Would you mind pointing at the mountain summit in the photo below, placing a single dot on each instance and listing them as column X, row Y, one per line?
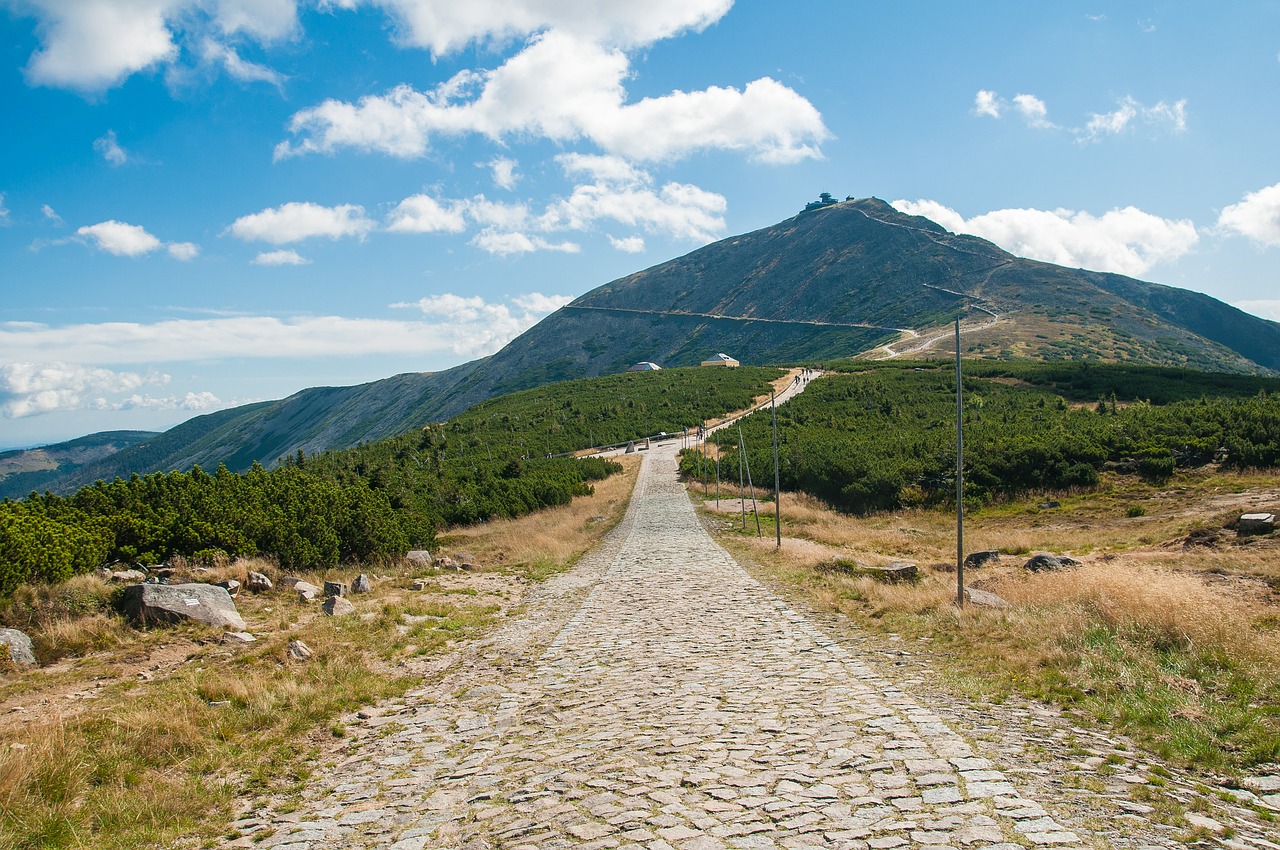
column 857, row 278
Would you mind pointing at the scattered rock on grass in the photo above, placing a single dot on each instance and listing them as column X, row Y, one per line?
column 420, row 583
column 974, row 560
column 231, row 586
column 1258, row 523
column 306, row 591
column 238, row 637
column 19, row 648
column 299, row 651
column 361, row 584
column 1049, row 563
column 895, row 572
column 465, row 560
column 174, row 603
column 258, row 583
column 128, row 576
column 420, row 556
column 338, row 606
column 984, row 598
column 335, row 588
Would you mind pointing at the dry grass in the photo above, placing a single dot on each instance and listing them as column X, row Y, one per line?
column 1175, row 644
column 136, row 737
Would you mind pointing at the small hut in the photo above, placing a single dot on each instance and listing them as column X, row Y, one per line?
column 645, row 366
column 720, row 359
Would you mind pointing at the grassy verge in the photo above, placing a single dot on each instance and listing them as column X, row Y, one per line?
column 1174, row 643
column 133, row 738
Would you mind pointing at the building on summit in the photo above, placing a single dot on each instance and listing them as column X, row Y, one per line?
column 721, row 359
column 645, row 366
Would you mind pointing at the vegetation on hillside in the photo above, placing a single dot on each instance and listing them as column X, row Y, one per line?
column 884, row 438
column 374, row 500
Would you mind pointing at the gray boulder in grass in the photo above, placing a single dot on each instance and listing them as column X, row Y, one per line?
column 176, row 603
column 18, row 647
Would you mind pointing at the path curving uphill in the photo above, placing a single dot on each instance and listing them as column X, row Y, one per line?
column 658, row 697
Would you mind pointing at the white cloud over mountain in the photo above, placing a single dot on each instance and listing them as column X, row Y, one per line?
column 1127, row 241
column 29, row 389
column 1257, row 216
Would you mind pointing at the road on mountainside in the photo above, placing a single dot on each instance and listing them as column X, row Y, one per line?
column 656, row 696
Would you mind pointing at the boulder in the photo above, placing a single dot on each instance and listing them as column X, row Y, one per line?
column 1049, row 563
column 420, row 556
column 128, row 576
column 230, row 585
column 897, row 571
column 18, row 648
column 298, row 650
column 361, row 584
column 175, row 603
column 335, row 588
column 984, row 598
column 306, row 591
column 1258, row 523
column 258, row 583
column 974, row 560
column 448, row 563
column 465, row 560
column 337, row 606
column 421, row 583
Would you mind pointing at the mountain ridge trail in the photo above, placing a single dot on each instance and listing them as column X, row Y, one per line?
column 657, row 696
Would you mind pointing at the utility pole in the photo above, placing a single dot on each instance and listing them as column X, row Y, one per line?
column 959, row 476
column 777, row 488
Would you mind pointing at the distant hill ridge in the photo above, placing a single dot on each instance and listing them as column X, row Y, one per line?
column 849, row 279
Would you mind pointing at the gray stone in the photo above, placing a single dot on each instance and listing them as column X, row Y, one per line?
column 420, row 556
column 984, row 598
column 421, row 583
column 337, row 606
column 238, row 637
column 128, row 576
column 894, row 572
column 335, row 588
column 175, row 603
column 974, row 560
column 299, row 651
column 466, row 560
column 20, row 652
column 1256, row 523
column 1049, row 563
column 230, row 585
column 306, row 591
column 258, row 583
column 1263, row 784
column 361, row 584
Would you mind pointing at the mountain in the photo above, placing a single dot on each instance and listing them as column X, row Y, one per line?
column 25, row 470
column 852, row 279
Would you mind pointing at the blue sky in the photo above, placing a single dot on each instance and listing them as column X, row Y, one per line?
column 210, row 202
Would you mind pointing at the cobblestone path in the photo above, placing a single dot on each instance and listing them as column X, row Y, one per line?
column 678, row 705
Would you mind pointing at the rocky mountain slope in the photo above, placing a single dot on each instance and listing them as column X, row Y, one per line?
column 850, row 279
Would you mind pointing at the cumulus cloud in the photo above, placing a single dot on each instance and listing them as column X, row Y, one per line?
column 629, row 244
column 424, row 214
column 294, row 222
column 987, row 103
column 563, row 88
column 29, row 389
column 1257, row 216
column 283, row 257
column 506, row 242
column 121, row 239
column 110, row 149
column 478, row 326
column 192, row 401
column 504, row 172
column 445, row 26
column 131, row 240
column 1033, row 110
column 1127, row 241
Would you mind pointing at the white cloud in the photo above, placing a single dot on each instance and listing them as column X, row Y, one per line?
column 1265, row 309
column 184, row 251
column 131, row 240
column 987, row 103
column 110, row 149
column 294, row 222
column 629, row 244
column 508, row 242
column 121, row 239
column 190, row 401
column 504, row 172
column 1257, row 216
column 4, row 211
column 563, row 88
column 283, row 257
column 444, row 26
column 1127, row 241
column 29, row 389
column 216, row 53
column 1033, row 110
column 265, row 19
column 49, row 213
column 424, row 214
column 1172, row 116
column 478, row 326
